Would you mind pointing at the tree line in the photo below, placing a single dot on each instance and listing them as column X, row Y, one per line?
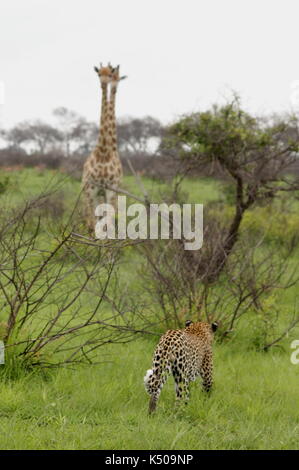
column 66, row 143
column 72, row 134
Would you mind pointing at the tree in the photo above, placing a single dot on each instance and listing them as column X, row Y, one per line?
column 43, row 135
column 85, row 135
column 71, row 127
column 17, row 135
column 136, row 134
column 61, row 303
column 254, row 153
column 38, row 133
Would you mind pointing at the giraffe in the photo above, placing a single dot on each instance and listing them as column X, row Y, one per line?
column 103, row 166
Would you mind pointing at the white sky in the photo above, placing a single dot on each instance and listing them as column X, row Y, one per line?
column 180, row 56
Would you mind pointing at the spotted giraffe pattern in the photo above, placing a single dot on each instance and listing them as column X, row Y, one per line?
column 187, row 354
column 102, row 171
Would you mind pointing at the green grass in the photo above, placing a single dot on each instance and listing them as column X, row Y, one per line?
column 27, row 183
column 254, row 404
column 208, row 189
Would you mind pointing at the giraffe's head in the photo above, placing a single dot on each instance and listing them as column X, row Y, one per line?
column 105, row 73
column 116, row 77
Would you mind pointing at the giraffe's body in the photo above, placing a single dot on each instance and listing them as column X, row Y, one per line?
column 102, row 171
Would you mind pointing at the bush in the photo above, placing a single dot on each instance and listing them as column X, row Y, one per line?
column 4, row 184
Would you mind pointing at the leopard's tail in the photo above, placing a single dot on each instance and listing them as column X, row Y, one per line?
column 146, row 379
column 156, row 377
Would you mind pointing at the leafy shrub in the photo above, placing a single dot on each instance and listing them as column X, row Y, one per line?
column 4, row 184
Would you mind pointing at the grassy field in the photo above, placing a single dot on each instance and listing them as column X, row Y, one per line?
column 254, row 404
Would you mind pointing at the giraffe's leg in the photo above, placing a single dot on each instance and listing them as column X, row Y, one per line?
column 106, row 215
column 111, row 197
column 94, row 196
column 89, row 207
column 206, row 372
column 111, row 200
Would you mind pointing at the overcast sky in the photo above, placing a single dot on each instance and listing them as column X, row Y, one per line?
column 180, row 56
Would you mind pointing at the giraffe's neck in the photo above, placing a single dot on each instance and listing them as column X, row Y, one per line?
column 103, row 110
column 113, row 119
column 103, row 145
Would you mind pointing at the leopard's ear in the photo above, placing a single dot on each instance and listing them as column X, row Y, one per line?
column 214, row 326
column 188, row 323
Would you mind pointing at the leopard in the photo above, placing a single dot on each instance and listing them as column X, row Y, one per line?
column 187, row 354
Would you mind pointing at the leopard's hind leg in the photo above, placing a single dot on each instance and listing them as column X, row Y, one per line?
column 206, row 372
column 181, row 383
